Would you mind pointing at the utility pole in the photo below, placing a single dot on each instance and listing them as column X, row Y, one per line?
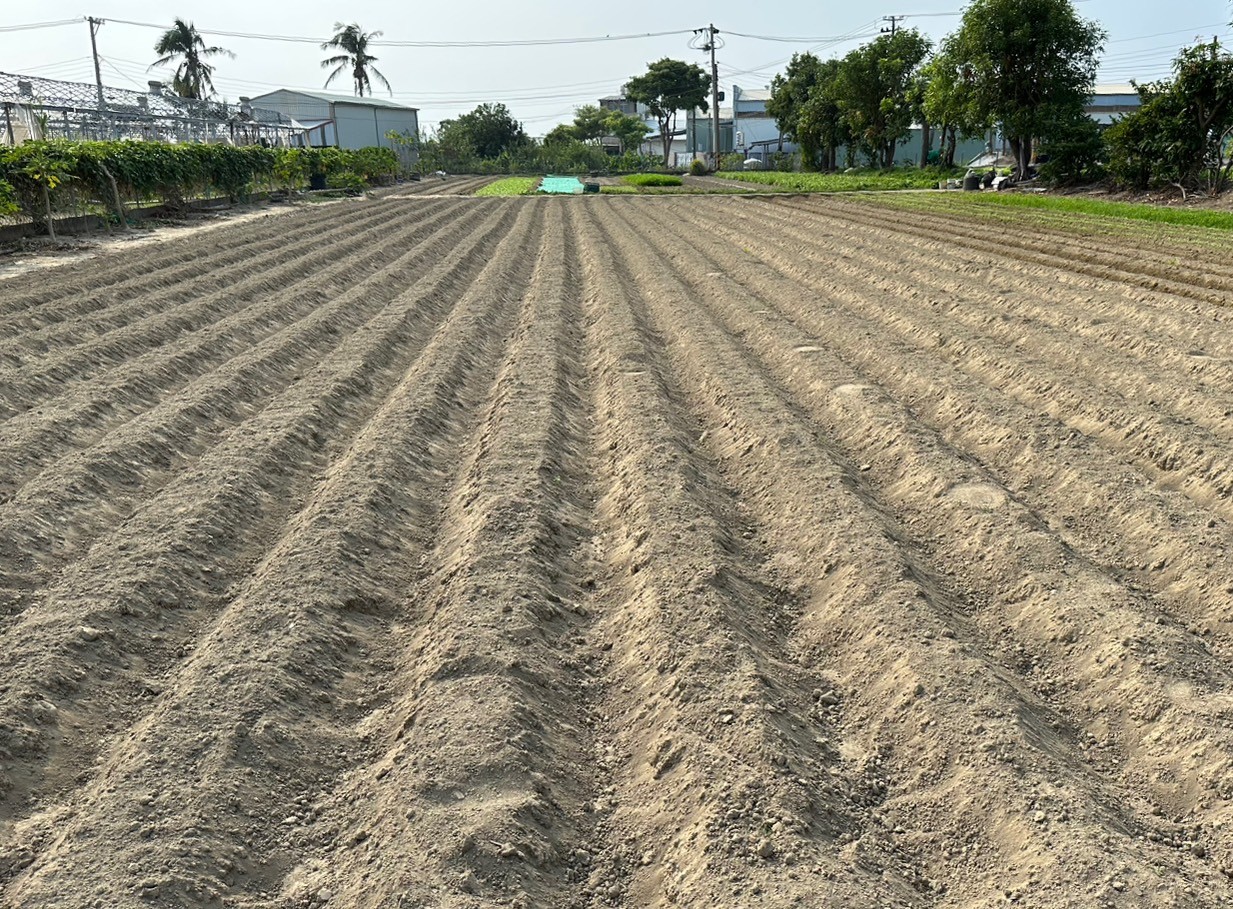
column 98, row 74
column 712, row 31
column 894, row 24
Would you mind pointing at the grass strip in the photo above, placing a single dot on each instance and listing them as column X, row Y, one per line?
column 509, row 186
column 837, row 183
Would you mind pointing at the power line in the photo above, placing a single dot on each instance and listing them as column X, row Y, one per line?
column 519, row 42
column 33, row 25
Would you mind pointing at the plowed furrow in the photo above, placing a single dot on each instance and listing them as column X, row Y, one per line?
column 780, row 444
column 1151, row 247
column 111, row 274
column 734, row 781
column 323, row 601
column 42, row 377
column 1173, row 451
column 495, row 652
column 97, row 487
column 1039, row 604
column 1152, row 328
column 1070, row 478
column 240, row 349
column 33, row 335
column 1075, row 259
column 174, row 563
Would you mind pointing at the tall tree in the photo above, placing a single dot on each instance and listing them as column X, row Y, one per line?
column 874, row 89
column 488, row 130
column 1033, row 63
column 667, row 87
column 806, row 79
column 353, row 42
column 193, row 77
column 950, row 100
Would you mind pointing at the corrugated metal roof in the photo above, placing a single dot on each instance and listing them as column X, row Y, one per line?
column 335, row 98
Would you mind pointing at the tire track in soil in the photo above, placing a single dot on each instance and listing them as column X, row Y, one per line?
column 471, row 791
column 78, row 318
column 77, row 417
column 47, row 376
column 725, row 794
column 1165, row 542
column 123, row 616
column 96, row 487
column 1102, row 836
column 296, row 642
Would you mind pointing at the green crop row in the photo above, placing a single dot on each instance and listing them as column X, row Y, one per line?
column 510, row 186
column 652, row 180
column 40, row 179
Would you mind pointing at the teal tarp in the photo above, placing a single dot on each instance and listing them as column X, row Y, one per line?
column 552, row 184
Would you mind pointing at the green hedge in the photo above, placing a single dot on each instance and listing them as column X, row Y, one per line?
column 36, row 174
column 652, row 180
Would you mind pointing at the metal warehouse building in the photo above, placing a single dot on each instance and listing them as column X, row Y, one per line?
column 345, row 121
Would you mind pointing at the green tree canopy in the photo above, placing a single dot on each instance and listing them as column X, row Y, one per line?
column 487, row 131
column 669, row 86
column 1183, row 132
column 183, row 43
column 353, row 42
column 874, row 88
column 950, row 102
column 1033, row 63
column 629, row 129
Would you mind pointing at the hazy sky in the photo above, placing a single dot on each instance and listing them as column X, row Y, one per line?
column 541, row 84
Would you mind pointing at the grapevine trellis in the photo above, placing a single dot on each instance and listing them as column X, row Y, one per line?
column 35, row 108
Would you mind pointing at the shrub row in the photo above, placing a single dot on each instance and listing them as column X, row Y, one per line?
column 39, row 178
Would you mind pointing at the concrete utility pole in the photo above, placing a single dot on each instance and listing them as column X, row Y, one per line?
column 712, row 31
column 894, row 24
column 98, row 74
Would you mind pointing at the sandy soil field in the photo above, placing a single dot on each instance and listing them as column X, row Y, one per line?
column 432, row 551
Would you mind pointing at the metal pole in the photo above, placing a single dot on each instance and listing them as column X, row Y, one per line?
column 714, row 99
column 98, row 74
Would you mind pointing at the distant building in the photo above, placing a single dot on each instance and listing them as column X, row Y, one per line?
column 1111, row 102
column 343, row 121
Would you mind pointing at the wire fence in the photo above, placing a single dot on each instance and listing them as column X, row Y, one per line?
column 35, row 108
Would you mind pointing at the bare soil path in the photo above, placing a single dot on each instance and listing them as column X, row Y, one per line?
column 431, row 551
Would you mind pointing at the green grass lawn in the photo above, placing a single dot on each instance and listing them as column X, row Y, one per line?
column 905, row 178
column 652, row 180
column 509, row 186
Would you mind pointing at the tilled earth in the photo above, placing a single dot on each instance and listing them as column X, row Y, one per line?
column 433, row 551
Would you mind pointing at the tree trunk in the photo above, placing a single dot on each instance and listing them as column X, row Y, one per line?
column 926, row 141
column 888, row 155
column 951, row 142
column 115, row 197
column 1025, row 156
column 665, row 137
column 1015, row 152
column 51, row 223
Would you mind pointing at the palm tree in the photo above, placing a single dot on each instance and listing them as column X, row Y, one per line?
column 353, row 41
column 193, row 75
